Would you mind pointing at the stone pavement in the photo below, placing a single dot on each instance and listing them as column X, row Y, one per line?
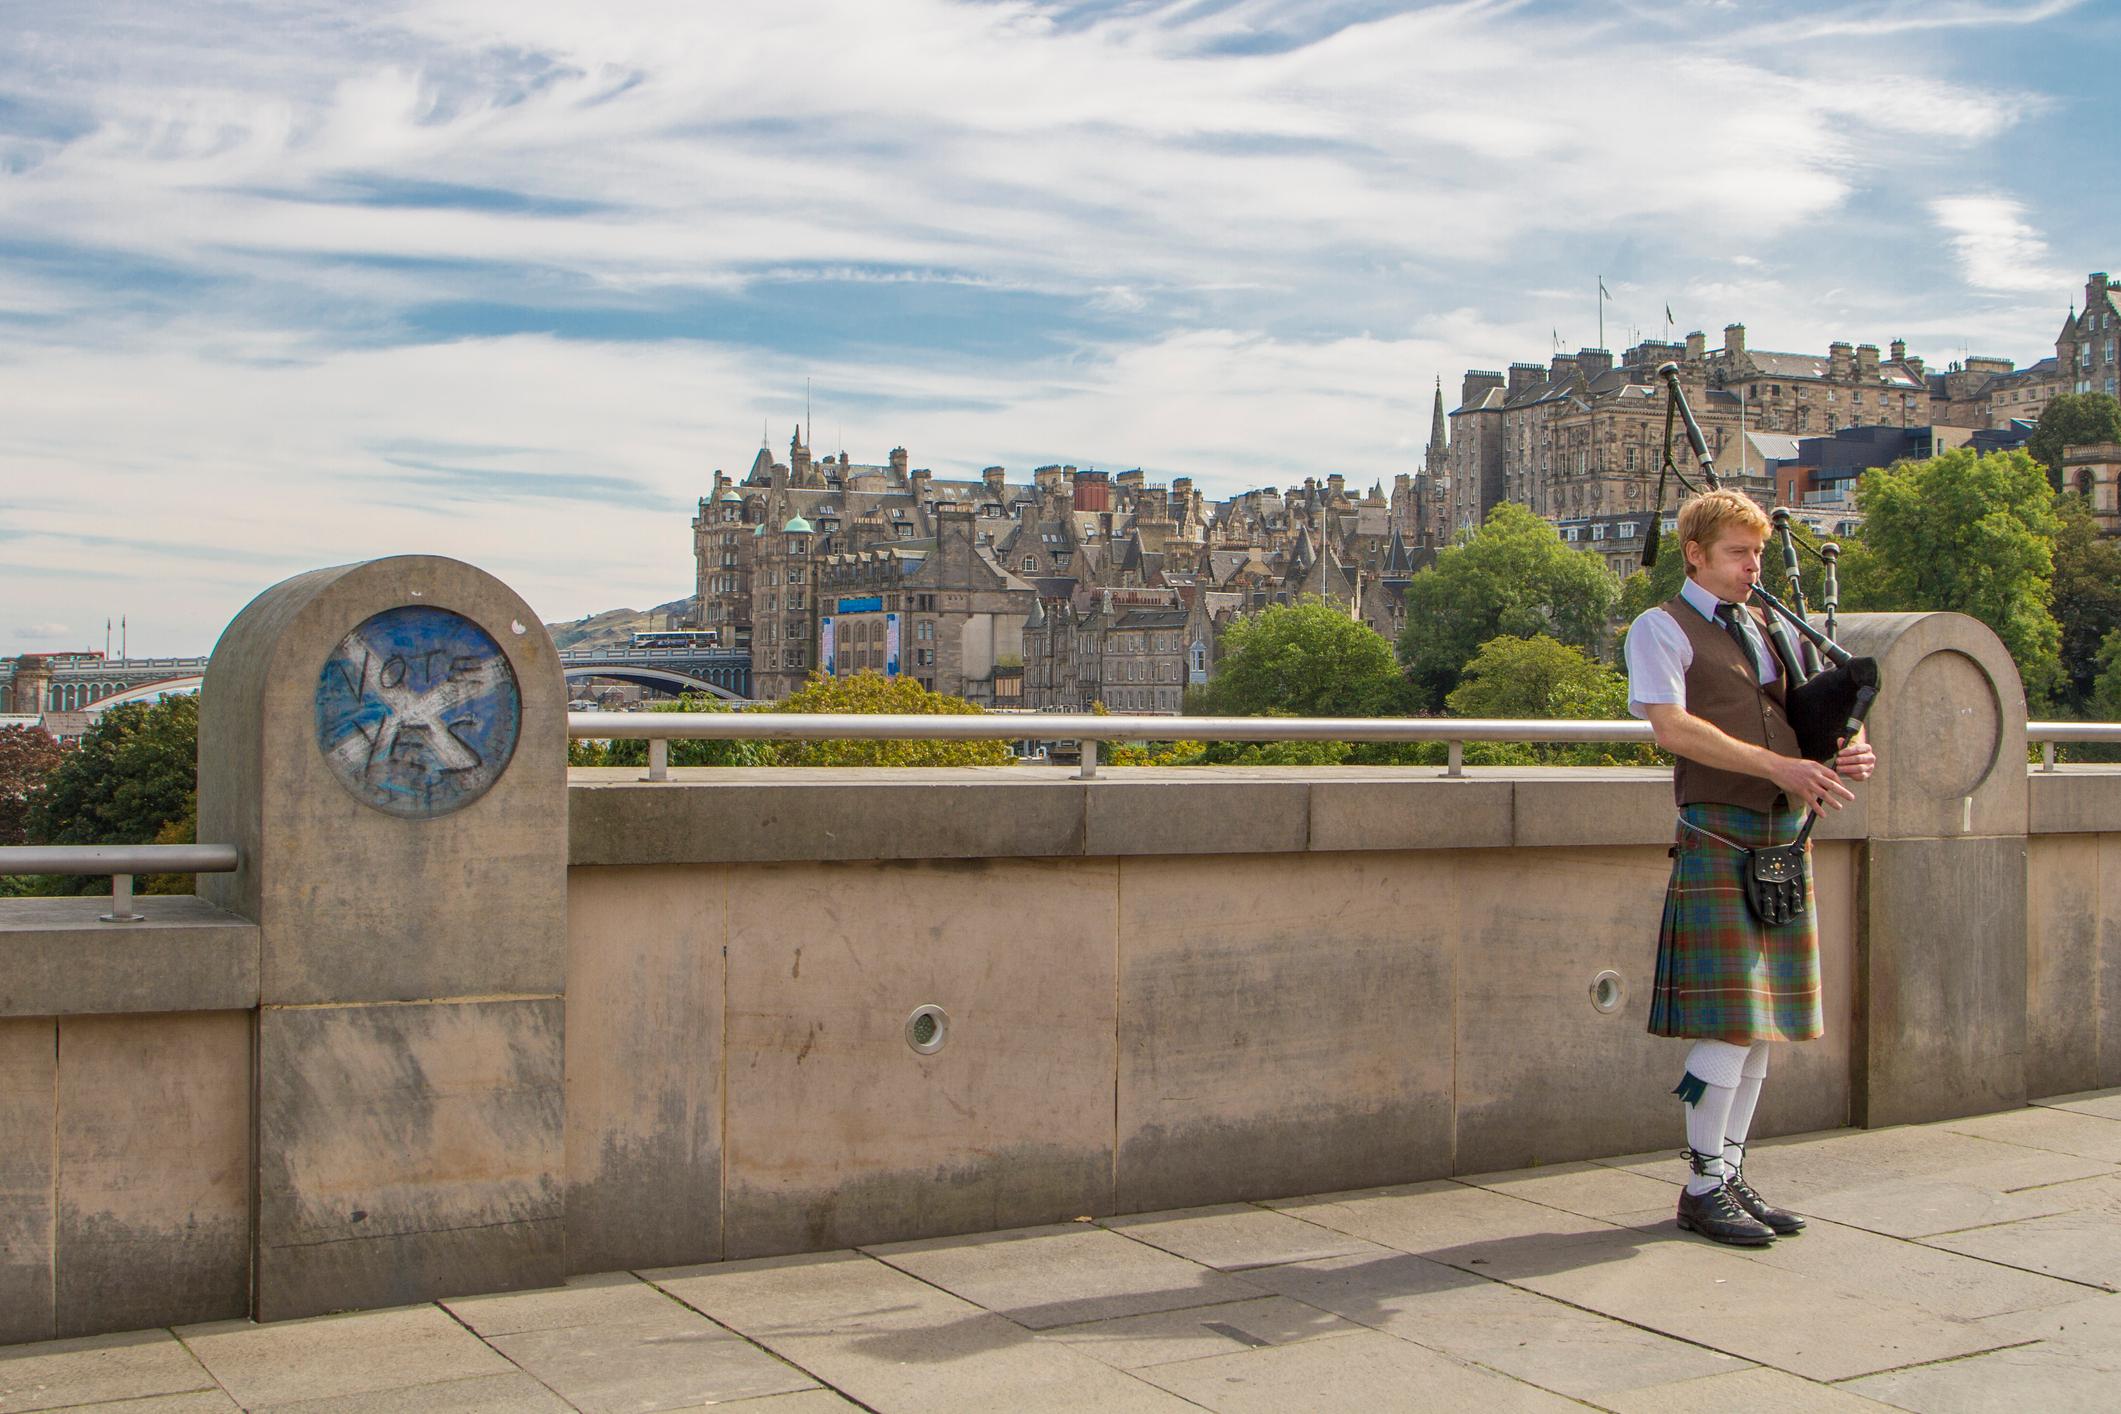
column 1967, row 1265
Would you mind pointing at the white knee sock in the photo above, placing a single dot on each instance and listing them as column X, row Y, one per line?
column 1750, row 1078
column 1714, row 1070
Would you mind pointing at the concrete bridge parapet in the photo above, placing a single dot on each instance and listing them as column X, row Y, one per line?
column 466, row 1021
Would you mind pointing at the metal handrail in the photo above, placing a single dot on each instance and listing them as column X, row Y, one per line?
column 659, row 729
column 121, row 862
column 2047, row 734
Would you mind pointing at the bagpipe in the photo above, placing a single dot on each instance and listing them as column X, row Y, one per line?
column 1830, row 690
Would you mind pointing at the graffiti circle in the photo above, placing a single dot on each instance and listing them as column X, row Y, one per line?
column 418, row 711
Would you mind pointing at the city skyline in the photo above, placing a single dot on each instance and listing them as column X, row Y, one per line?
column 286, row 288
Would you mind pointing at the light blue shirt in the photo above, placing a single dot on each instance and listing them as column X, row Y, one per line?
column 1659, row 652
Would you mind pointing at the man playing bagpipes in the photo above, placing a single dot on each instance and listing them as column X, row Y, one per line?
column 1738, row 949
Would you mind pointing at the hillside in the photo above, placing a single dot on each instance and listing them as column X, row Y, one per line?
column 614, row 628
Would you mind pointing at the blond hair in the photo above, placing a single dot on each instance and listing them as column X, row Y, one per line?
column 1708, row 517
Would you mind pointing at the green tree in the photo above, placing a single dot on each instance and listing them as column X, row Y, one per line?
column 134, row 773
column 1519, row 677
column 1514, row 577
column 873, row 693
column 1540, row 678
column 2087, row 597
column 2072, row 420
column 682, row 753
column 1307, row 659
column 2105, row 701
column 1968, row 533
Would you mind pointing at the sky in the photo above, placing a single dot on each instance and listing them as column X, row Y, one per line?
column 301, row 284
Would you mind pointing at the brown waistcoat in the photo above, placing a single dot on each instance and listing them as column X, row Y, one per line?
column 1721, row 689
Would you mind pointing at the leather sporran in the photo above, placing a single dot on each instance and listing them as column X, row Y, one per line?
column 1774, row 883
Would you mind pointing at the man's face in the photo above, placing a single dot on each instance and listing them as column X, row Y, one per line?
column 1729, row 566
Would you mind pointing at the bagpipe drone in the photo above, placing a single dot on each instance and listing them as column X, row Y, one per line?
column 1826, row 701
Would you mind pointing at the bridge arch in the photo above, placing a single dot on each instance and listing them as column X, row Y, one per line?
column 146, row 692
column 667, row 678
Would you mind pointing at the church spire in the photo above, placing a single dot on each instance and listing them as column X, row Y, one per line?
column 1434, row 465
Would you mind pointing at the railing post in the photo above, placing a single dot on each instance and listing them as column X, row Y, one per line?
column 658, row 758
column 2047, row 756
column 1088, row 771
column 1455, row 762
column 121, row 901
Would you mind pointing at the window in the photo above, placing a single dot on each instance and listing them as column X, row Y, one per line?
column 1030, row 563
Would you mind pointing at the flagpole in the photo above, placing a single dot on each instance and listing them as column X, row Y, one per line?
column 1601, row 311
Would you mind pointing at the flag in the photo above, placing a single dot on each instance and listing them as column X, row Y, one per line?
column 1667, row 314
column 1602, row 289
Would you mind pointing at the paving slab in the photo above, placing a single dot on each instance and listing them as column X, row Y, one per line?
column 893, row 1342
column 1235, row 1236
column 2088, row 1195
column 53, row 1374
column 1131, row 1342
column 809, row 1401
column 2093, row 1323
column 1062, row 1276
column 1370, row 1371
column 2065, row 1131
column 1944, row 1283
column 481, row 1394
column 1432, row 1218
column 1927, row 1207
column 1524, row 1335
column 2104, row 1103
column 2077, row 1246
column 1587, row 1189
column 1755, row 1391
column 327, row 1357
column 1682, row 1286
column 197, row 1402
column 2037, row 1376
column 677, row 1360
column 608, row 1298
column 1794, row 1173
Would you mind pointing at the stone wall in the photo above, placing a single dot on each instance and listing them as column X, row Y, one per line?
column 494, row 1029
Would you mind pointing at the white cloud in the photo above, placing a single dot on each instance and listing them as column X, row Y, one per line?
column 1257, row 232
column 1998, row 248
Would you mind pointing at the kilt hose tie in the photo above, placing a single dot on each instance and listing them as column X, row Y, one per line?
column 1722, row 974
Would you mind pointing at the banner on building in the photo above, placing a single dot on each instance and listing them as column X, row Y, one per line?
column 891, row 645
column 867, row 604
column 825, row 654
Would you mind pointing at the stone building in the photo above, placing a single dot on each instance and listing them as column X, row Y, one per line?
column 2095, row 471
column 1987, row 392
column 1807, row 395
column 1580, row 439
column 29, row 690
column 1078, row 588
column 2086, row 348
column 1474, row 463
column 759, row 544
column 944, row 613
column 1583, row 439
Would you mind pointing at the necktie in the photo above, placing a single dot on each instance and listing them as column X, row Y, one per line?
column 1728, row 616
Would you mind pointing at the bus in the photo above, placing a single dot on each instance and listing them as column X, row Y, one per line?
column 679, row 638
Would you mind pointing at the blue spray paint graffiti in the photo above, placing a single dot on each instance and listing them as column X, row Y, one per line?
column 418, row 711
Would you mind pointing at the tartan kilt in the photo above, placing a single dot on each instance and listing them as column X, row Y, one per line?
column 1722, row 974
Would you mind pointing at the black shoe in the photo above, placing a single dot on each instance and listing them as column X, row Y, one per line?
column 1783, row 1224
column 1717, row 1216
